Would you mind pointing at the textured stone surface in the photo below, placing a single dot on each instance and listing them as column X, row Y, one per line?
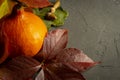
column 94, row 27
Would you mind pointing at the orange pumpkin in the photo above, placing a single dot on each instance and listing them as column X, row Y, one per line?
column 22, row 33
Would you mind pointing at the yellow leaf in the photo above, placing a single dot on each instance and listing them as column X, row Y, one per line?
column 4, row 8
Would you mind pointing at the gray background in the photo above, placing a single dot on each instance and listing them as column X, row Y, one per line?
column 94, row 27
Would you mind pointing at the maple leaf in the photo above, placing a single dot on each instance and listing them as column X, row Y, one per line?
column 60, row 63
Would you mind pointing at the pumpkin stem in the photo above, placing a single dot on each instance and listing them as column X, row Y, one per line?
column 17, row 7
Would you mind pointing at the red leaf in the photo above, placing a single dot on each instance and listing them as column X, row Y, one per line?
column 61, row 63
column 54, row 42
column 62, row 72
column 58, row 71
column 23, row 67
column 75, row 59
column 36, row 3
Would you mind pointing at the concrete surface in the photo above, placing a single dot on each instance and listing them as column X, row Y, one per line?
column 94, row 27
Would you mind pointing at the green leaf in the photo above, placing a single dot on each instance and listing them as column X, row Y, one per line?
column 4, row 8
column 60, row 14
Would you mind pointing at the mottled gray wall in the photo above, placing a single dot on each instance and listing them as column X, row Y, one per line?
column 94, row 27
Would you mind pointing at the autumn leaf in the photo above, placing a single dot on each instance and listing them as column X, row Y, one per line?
column 4, row 8
column 55, row 41
column 58, row 71
column 19, row 68
column 75, row 59
column 36, row 3
column 60, row 63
